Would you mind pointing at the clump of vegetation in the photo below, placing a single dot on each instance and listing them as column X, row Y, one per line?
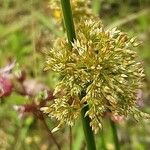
column 96, row 72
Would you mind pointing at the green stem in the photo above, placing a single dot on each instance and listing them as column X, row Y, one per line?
column 69, row 25
column 115, row 136
column 68, row 20
column 103, row 143
column 87, row 130
column 96, row 6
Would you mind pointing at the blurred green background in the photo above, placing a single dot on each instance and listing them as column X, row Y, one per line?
column 26, row 28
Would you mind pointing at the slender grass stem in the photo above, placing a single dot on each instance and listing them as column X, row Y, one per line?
column 70, row 137
column 96, row 6
column 115, row 136
column 69, row 25
column 50, row 134
column 68, row 20
column 87, row 130
column 103, row 143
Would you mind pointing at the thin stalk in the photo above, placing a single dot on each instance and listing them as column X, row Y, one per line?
column 50, row 134
column 87, row 130
column 70, row 137
column 69, row 25
column 103, row 143
column 68, row 20
column 96, row 6
column 115, row 136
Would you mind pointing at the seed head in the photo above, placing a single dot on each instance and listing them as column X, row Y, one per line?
column 103, row 64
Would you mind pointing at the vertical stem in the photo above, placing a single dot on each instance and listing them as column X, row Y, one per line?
column 87, row 130
column 103, row 143
column 50, row 134
column 96, row 6
column 115, row 136
column 70, row 137
column 69, row 25
column 33, row 38
column 68, row 20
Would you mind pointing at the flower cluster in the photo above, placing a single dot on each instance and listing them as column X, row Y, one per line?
column 103, row 65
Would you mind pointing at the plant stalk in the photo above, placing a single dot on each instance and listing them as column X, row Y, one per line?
column 115, row 136
column 103, row 143
column 50, row 134
column 69, row 25
column 68, row 20
column 87, row 130
column 70, row 137
column 96, row 6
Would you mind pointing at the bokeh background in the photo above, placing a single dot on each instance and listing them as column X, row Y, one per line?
column 26, row 29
